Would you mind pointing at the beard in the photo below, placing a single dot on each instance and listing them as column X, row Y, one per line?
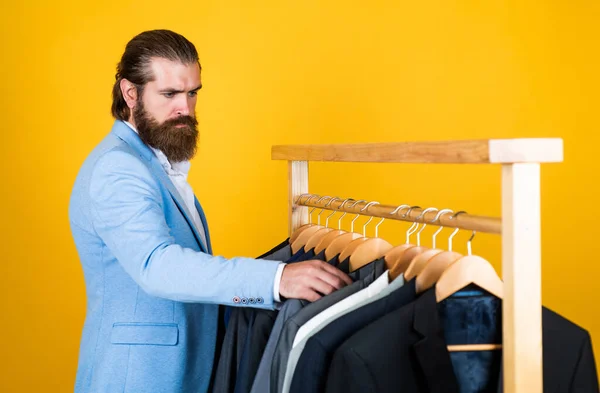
column 177, row 143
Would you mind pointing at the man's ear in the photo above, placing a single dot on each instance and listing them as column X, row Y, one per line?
column 130, row 93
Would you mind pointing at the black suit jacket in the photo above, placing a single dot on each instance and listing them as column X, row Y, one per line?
column 406, row 351
column 310, row 374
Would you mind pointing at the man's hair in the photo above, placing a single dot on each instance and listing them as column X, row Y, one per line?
column 135, row 62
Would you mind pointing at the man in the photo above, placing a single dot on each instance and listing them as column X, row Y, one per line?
column 153, row 287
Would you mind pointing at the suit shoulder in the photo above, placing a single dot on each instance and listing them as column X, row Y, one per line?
column 120, row 157
column 555, row 321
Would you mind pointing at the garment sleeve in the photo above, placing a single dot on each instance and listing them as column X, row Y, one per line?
column 129, row 216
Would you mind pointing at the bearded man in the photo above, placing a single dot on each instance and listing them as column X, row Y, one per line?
column 153, row 287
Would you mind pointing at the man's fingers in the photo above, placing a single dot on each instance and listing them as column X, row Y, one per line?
column 337, row 272
column 321, row 286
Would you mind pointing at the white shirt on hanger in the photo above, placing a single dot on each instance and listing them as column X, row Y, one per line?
column 178, row 173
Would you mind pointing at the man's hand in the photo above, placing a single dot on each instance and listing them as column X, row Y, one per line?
column 308, row 280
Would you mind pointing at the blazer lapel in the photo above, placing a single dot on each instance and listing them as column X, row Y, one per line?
column 431, row 351
column 132, row 139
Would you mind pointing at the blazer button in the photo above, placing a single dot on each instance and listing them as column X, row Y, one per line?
column 252, row 300
column 236, row 299
column 259, row 300
column 244, row 300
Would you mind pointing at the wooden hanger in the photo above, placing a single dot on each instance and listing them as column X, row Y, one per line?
column 343, row 240
column 434, row 268
column 315, row 239
column 417, row 264
column 401, row 260
column 298, row 231
column 340, row 243
column 369, row 250
column 331, row 236
column 303, row 238
column 328, row 239
column 354, row 244
column 393, row 255
column 307, row 233
column 464, row 271
column 470, row 269
column 301, row 229
column 349, row 249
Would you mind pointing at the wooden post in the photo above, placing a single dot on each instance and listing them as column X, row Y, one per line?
column 521, row 264
column 297, row 185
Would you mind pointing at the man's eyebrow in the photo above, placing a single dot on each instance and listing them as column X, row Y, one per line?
column 175, row 91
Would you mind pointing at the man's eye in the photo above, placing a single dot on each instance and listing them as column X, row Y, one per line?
column 168, row 95
column 193, row 93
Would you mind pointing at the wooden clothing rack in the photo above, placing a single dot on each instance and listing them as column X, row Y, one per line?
column 519, row 225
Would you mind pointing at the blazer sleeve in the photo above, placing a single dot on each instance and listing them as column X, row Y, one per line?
column 127, row 214
column 586, row 377
column 349, row 373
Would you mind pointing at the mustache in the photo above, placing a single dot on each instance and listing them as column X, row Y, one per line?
column 189, row 121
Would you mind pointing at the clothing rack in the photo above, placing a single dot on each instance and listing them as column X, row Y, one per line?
column 519, row 225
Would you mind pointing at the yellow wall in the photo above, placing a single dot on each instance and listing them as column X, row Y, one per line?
column 294, row 72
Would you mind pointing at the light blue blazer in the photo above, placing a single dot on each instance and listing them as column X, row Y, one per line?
column 152, row 286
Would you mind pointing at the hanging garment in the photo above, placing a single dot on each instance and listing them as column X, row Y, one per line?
column 242, row 348
column 316, row 322
column 287, row 324
column 312, row 366
column 258, row 335
column 238, row 324
column 406, row 350
column 364, row 276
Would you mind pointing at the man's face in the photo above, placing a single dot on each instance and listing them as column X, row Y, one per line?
column 164, row 114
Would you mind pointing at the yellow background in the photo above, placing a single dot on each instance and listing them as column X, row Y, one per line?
column 294, row 72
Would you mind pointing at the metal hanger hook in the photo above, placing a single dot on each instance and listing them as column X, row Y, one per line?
column 338, row 209
column 300, row 197
column 357, row 215
column 437, row 218
column 319, row 215
column 421, row 216
column 414, row 225
column 370, row 219
column 332, row 213
column 312, row 210
column 377, row 226
column 455, row 230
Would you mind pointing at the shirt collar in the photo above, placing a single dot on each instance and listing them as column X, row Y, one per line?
column 181, row 168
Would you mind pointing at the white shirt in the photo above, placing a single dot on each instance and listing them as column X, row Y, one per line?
column 178, row 173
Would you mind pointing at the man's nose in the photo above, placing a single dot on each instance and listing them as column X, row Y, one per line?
column 184, row 108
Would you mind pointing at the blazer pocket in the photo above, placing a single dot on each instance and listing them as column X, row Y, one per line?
column 142, row 333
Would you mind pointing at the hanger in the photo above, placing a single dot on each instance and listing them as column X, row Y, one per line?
column 338, row 244
column 328, row 238
column 404, row 259
column 299, row 230
column 370, row 250
column 308, row 232
column 346, row 252
column 318, row 235
column 418, row 263
column 467, row 270
column 393, row 255
column 436, row 265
